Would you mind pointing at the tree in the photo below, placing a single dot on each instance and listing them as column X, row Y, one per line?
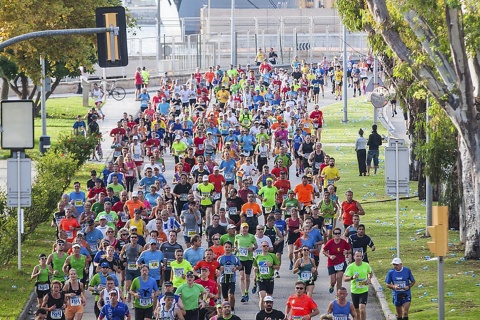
column 438, row 42
column 64, row 54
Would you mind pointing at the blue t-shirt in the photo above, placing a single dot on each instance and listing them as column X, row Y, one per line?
column 117, row 313
column 143, row 97
column 248, row 141
column 269, row 97
column 214, row 132
column 315, row 234
column 297, row 141
column 162, row 180
column 228, row 172
column 281, row 225
column 93, row 238
column 78, row 201
column 193, row 256
column 257, row 99
column 147, row 182
column 163, row 108
column 154, row 260
column 228, row 262
column 401, row 278
column 152, row 199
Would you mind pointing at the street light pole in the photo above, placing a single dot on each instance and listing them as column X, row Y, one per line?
column 44, row 139
column 344, row 91
column 232, row 35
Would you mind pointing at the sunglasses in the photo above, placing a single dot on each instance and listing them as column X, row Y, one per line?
column 109, row 231
column 306, row 249
column 133, row 237
column 216, row 239
column 299, row 288
column 265, row 245
column 337, row 233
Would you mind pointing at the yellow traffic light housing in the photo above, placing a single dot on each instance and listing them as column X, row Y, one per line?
column 439, row 231
column 112, row 46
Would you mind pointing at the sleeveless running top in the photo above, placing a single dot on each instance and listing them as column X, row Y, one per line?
column 167, row 314
column 327, row 209
column 58, row 266
column 341, row 313
column 56, row 314
column 293, row 225
column 307, row 148
column 78, row 264
column 43, row 276
column 318, row 159
column 305, row 272
column 138, row 224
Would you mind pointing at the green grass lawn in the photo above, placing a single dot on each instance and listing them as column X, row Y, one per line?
column 16, row 287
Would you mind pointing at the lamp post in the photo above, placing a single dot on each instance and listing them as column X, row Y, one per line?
column 233, row 49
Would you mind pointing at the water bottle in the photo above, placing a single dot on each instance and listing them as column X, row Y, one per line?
column 420, row 285
column 425, row 268
column 434, row 300
column 449, row 294
column 427, row 258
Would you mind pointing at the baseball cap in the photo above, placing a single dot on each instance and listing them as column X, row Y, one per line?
column 268, row 298
column 169, row 295
column 205, row 178
column 43, row 255
column 134, row 194
column 133, row 228
column 152, row 241
column 76, row 245
column 91, row 222
column 244, row 225
column 245, row 178
column 105, row 265
column 102, row 218
column 178, row 137
column 135, row 137
column 168, row 283
column 291, row 191
column 231, row 226
column 314, row 207
column 396, row 261
column 216, row 168
column 190, row 274
column 93, row 173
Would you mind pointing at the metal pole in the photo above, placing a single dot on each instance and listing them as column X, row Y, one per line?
column 397, row 201
column 164, row 49
column 42, row 92
column 428, row 185
column 295, row 41
column 232, row 34
column 344, row 93
column 159, row 36
column 375, row 83
column 19, row 214
column 441, row 290
column 209, row 19
column 140, row 51
column 248, row 46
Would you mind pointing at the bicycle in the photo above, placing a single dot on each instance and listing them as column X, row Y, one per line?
column 117, row 93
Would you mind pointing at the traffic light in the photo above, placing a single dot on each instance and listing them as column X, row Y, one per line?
column 112, row 47
column 439, row 231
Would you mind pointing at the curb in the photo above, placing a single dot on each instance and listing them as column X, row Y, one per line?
column 28, row 306
column 381, row 299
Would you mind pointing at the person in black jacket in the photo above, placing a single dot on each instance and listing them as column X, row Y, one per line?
column 374, row 141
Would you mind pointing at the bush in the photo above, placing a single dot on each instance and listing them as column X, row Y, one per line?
column 77, row 146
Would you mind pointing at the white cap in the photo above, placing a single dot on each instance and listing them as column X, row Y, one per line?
column 268, row 298
column 205, row 178
column 396, row 261
column 216, row 168
column 134, row 194
column 178, row 137
column 135, row 137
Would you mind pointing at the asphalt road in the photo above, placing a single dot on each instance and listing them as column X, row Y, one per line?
column 284, row 286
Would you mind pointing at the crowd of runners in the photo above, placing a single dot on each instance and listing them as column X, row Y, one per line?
column 237, row 137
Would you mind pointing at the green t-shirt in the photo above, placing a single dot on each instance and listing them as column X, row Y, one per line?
column 112, row 218
column 269, row 196
column 146, row 301
column 259, row 137
column 179, row 269
column 243, row 243
column 264, row 271
column 287, row 161
column 359, row 285
column 179, row 148
column 190, row 295
column 290, row 203
column 235, row 87
column 226, row 237
column 98, row 207
column 116, row 188
column 206, row 191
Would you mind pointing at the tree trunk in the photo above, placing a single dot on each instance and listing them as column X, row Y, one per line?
column 5, row 89
column 469, row 221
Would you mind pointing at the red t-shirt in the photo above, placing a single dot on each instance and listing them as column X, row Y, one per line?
column 347, row 208
column 301, row 306
column 336, row 249
column 212, row 266
column 276, row 171
column 282, row 184
column 94, row 191
column 317, row 116
column 212, row 287
column 199, row 145
column 217, row 181
column 115, row 131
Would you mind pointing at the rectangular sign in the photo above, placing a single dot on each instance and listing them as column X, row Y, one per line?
column 17, row 124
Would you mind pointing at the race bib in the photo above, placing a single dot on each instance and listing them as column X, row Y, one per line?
column 243, row 252
column 145, row 302
column 94, row 247
column 232, row 211
column 306, row 275
column 263, row 154
column 401, row 285
column 217, row 196
column 331, row 181
column 78, row 203
column 191, row 233
column 132, row 266
column 306, row 125
column 184, row 197
column 307, row 154
column 328, row 222
column 249, row 213
column 56, row 314
column 268, row 210
column 361, row 283
column 340, row 317
column 257, row 252
column 109, row 218
column 297, row 317
column 265, row 270
column 124, row 217
column 43, row 287
column 154, row 264
column 228, row 269
column 339, row 267
column 178, row 272
column 75, row 301
column 285, row 196
column 200, row 147
column 136, row 156
column 317, row 165
column 228, row 175
column 69, row 234
column 315, row 125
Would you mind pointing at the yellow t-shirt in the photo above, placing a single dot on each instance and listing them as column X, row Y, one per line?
column 330, row 175
column 338, row 76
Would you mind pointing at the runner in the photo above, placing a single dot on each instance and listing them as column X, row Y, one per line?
column 336, row 250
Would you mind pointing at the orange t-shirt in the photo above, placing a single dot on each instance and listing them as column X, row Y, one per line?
column 65, row 225
column 209, row 76
column 304, row 193
column 131, row 205
column 300, row 306
column 220, row 250
column 251, row 206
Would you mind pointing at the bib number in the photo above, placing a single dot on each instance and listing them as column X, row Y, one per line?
column 228, row 176
column 191, row 233
column 306, row 275
column 154, row 264
column 340, row 317
column 145, row 302
column 43, row 287
column 242, row 252
column 75, row 301
column 69, row 234
column 228, row 269
column 56, row 314
column 132, row 266
column 178, row 272
column 265, row 270
column 339, row 267
column 249, row 213
column 184, row 197
column 232, row 211
column 94, row 247
column 217, row 196
column 331, row 182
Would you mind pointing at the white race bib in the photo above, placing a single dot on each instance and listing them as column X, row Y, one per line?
column 249, row 213
column 340, row 317
column 56, row 314
column 306, row 275
column 338, row 267
column 69, row 234
column 217, row 196
column 94, row 247
column 154, row 264
column 145, row 302
column 43, row 287
column 232, row 211
column 178, row 272
column 228, row 175
column 132, row 266
column 361, row 283
column 243, row 252
column 184, row 197
column 228, row 269
column 75, row 301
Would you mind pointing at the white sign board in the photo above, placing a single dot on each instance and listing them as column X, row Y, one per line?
column 391, row 168
column 25, row 187
column 17, row 124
